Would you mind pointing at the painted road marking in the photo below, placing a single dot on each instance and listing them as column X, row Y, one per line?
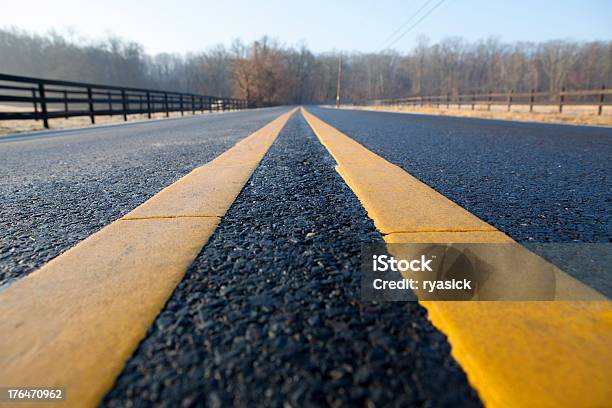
column 516, row 354
column 76, row 321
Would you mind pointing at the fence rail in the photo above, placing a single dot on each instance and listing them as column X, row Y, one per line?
column 591, row 97
column 44, row 99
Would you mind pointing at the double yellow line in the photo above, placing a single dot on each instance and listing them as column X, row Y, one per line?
column 76, row 321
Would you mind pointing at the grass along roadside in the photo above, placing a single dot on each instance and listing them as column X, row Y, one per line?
column 572, row 115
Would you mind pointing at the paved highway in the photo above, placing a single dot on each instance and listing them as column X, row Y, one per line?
column 61, row 186
column 538, row 183
column 269, row 313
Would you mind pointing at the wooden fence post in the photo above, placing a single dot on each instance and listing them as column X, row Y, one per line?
column 531, row 100
column 43, row 104
column 473, row 100
column 34, row 102
column 561, row 99
column 602, row 98
column 181, row 101
column 66, row 104
column 166, row 104
column 124, row 104
column 92, row 115
column 148, row 105
column 510, row 99
column 110, row 103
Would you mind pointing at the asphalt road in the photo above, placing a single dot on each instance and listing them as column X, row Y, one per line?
column 59, row 187
column 538, row 183
column 270, row 313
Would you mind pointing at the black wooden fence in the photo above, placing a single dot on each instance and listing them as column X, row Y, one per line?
column 28, row 98
column 592, row 97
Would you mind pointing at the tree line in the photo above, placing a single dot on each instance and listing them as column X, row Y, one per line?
column 269, row 72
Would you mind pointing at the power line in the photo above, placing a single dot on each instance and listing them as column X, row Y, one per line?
column 431, row 10
column 405, row 23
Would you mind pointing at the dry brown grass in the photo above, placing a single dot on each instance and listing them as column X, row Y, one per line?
column 575, row 115
column 19, row 126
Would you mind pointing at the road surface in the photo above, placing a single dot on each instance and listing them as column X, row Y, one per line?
column 269, row 313
column 538, row 183
column 61, row 186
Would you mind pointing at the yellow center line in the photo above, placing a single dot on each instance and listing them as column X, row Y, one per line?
column 515, row 354
column 441, row 230
column 77, row 320
column 161, row 217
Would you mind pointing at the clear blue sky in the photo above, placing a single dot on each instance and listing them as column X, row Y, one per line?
column 192, row 25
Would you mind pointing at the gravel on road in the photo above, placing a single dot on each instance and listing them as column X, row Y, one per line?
column 270, row 313
column 538, row 183
column 60, row 187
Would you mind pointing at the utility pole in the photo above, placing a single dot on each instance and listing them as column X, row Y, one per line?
column 339, row 76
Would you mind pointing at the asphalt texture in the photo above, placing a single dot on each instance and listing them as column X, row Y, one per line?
column 270, row 312
column 538, row 183
column 59, row 187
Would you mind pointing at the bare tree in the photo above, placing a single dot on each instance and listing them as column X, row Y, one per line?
column 266, row 72
column 556, row 59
